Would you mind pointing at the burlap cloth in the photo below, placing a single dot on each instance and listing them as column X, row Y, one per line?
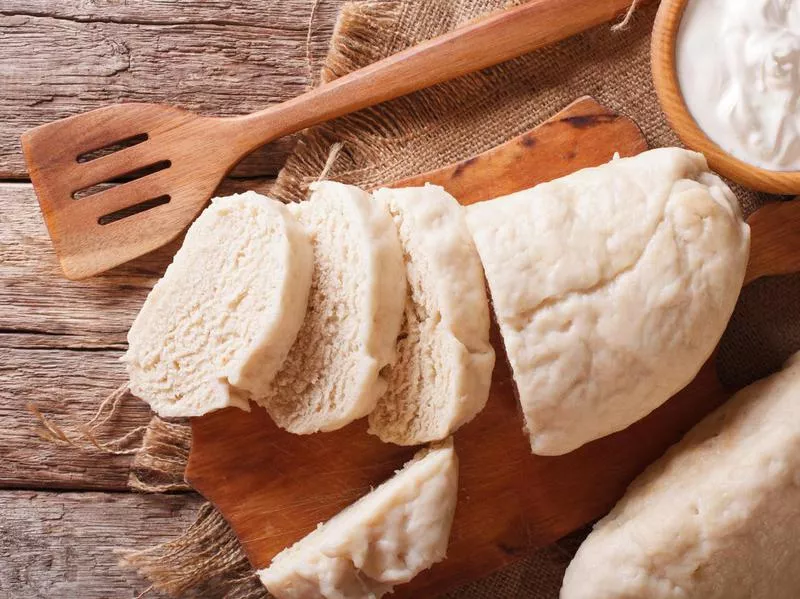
column 414, row 134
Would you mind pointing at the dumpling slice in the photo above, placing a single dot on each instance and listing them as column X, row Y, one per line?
column 217, row 327
column 334, row 372
column 386, row 538
column 444, row 364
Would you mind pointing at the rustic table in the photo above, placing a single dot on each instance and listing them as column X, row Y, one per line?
column 63, row 511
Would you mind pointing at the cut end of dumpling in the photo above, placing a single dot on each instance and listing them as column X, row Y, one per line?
column 386, row 538
column 217, row 327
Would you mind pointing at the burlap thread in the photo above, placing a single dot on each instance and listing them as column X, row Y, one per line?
column 88, row 436
column 160, row 463
column 206, row 561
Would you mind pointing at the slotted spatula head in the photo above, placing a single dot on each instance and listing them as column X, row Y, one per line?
column 121, row 181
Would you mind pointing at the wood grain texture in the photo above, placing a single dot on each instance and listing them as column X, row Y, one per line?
column 665, row 78
column 775, row 241
column 222, row 57
column 60, row 344
column 277, row 18
column 67, row 386
column 510, row 501
column 559, row 147
column 35, row 297
column 62, row 545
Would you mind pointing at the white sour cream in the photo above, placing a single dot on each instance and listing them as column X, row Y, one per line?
column 739, row 70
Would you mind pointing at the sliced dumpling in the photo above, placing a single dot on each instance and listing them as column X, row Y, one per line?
column 217, row 327
column 384, row 539
column 444, row 364
column 611, row 286
column 718, row 517
column 332, row 375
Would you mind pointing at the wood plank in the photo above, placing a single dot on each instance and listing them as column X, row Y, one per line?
column 59, row 349
column 63, row 544
column 67, row 385
column 288, row 15
column 221, row 57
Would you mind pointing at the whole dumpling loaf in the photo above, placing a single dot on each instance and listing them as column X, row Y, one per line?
column 718, row 517
column 217, row 327
column 384, row 539
column 611, row 287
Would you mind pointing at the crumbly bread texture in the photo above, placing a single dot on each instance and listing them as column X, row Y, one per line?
column 611, row 286
column 332, row 375
column 217, row 327
column 444, row 366
column 718, row 517
column 386, row 538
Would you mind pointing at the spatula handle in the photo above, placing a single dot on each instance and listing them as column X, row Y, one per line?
column 478, row 45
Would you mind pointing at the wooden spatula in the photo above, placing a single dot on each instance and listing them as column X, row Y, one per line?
column 176, row 159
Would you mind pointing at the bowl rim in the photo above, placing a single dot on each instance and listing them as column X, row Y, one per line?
column 665, row 80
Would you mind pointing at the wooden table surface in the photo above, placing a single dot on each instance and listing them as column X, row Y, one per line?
column 63, row 511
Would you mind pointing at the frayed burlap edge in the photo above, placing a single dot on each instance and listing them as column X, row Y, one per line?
column 372, row 29
column 207, row 561
column 362, row 33
column 87, row 436
column 160, row 463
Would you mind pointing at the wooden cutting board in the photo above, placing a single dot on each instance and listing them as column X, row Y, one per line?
column 274, row 487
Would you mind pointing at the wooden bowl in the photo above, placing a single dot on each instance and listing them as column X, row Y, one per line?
column 665, row 77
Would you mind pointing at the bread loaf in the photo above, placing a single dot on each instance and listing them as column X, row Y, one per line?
column 611, row 287
column 384, row 539
column 217, row 327
column 332, row 375
column 444, row 365
column 718, row 517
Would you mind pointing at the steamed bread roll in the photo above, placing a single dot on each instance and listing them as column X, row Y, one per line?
column 718, row 517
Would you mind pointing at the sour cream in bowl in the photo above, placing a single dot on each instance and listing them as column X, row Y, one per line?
column 727, row 73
